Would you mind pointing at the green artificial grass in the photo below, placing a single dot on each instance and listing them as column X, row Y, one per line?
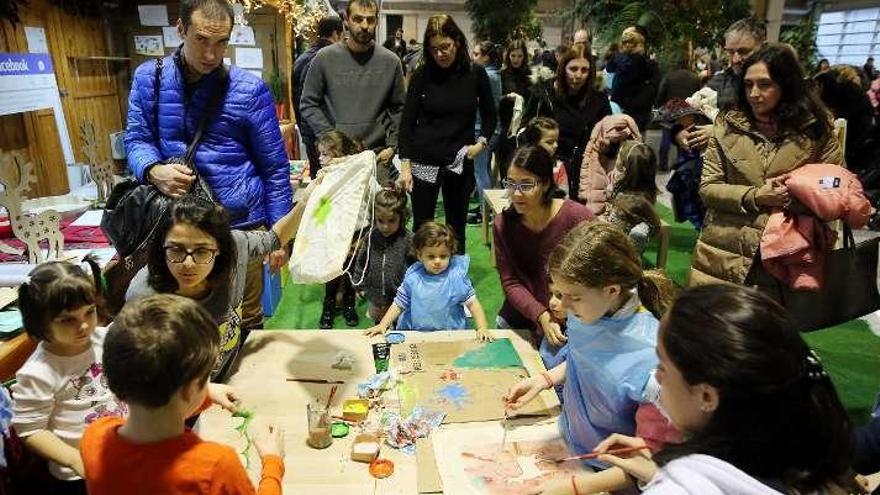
column 850, row 352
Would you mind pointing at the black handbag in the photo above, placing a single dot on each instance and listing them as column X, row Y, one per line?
column 134, row 209
column 849, row 290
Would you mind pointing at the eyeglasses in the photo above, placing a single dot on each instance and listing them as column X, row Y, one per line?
column 444, row 48
column 200, row 256
column 523, row 187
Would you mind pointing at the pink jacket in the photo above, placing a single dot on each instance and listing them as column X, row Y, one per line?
column 595, row 179
column 793, row 247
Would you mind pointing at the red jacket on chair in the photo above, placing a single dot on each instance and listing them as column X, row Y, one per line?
column 793, row 247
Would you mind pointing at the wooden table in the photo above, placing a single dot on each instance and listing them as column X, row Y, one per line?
column 494, row 202
column 270, row 357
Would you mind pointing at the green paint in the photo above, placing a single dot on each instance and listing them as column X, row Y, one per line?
column 323, row 210
column 242, row 430
column 497, row 354
column 408, row 393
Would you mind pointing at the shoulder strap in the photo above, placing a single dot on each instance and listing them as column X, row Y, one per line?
column 217, row 96
column 157, row 84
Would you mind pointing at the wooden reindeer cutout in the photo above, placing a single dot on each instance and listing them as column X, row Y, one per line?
column 16, row 176
column 101, row 172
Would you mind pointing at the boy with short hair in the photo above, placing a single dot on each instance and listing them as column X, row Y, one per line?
column 157, row 358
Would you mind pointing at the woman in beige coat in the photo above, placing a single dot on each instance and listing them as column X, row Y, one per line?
column 776, row 126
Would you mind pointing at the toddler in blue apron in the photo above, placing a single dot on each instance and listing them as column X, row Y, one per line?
column 435, row 289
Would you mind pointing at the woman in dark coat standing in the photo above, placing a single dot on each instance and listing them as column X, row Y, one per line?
column 436, row 141
column 572, row 100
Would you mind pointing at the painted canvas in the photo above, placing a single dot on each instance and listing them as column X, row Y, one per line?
column 464, row 379
column 474, row 461
column 465, row 395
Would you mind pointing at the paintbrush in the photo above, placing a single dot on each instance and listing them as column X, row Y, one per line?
column 504, row 427
column 316, row 380
column 330, row 397
column 593, row 455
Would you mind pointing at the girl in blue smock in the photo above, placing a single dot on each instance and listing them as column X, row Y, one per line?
column 435, row 289
column 612, row 307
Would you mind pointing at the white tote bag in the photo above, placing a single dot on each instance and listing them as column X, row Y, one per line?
column 340, row 206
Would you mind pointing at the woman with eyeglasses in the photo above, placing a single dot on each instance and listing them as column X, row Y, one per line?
column 195, row 254
column 436, row 143
column 525, row 234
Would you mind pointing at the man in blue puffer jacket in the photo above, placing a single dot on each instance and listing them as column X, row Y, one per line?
column 241, row 154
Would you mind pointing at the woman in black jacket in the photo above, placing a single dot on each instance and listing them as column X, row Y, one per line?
column 436, row 140
column 572, row 100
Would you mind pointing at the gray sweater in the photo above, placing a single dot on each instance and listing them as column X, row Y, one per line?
column 363, row 101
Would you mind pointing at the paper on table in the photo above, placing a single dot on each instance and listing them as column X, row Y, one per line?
column 8, row 295
column 149, row 45
column 91, row 218
column 170, row 36
column 13, row 274
column 242, row 35
column 36, row 39
column 249, row 58
column 470, row 462
column 10, row 321
column 153, row 15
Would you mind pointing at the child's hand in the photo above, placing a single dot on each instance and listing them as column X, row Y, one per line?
column 638, row 464
column 552, row 330
column 523, row 392
column 375, row 330
column 484, row 335
column 77, row 465
column 269, row 440
column 222, row 395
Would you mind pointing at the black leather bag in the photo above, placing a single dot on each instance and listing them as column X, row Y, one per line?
column 849, row 291
column 134, row 209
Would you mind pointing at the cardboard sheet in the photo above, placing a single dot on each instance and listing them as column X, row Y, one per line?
column 472, row 461
column 428, row 476
column 465, row 379
column 465, row 395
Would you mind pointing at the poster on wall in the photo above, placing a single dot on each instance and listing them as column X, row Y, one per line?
column 170, row 37
column 27, row 83
column 153, row 15
column 36, row 39
column 149, row 45
column 249, row 58
column 242, row 35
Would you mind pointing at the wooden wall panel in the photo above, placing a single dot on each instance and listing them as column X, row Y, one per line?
column 89, row 89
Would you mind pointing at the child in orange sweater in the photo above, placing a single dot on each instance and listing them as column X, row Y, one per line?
column 157, row 358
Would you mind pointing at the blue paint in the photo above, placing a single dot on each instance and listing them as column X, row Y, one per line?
column 454, row 393
column 395, row 338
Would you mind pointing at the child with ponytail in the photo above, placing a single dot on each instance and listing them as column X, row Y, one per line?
column 62, row 388
column 613, row 309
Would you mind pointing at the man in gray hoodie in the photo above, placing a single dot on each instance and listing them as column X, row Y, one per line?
column 357, row 87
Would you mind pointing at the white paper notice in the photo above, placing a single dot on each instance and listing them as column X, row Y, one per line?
column 36, row 39
column 153, row 15
column 149, row 45
column 242, row 35
column 171, row 37
column 249, row 58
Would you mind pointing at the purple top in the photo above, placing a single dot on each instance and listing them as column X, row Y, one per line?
column 521, row 259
